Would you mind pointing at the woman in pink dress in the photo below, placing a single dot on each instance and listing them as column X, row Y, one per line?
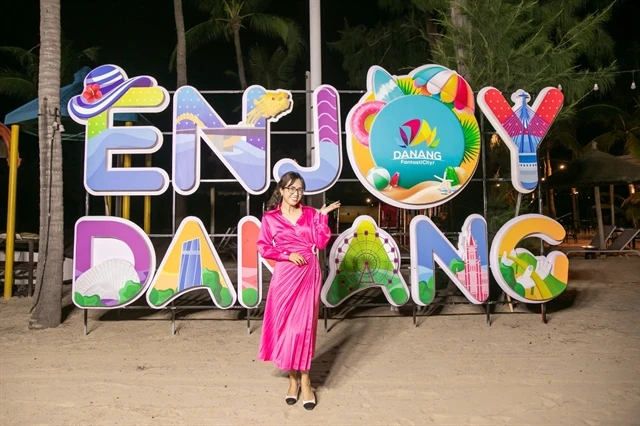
column 292, row 234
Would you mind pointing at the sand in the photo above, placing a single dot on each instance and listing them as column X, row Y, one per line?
column 582, row 368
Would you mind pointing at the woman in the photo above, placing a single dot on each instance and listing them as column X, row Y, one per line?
column 291, row 234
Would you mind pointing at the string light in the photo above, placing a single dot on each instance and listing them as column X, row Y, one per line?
column 633, row 80
column 595, row 87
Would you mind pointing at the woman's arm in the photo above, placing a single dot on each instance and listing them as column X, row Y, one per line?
column 265, row 243
column 322, row 232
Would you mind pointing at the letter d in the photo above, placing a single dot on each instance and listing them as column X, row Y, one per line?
column 113, row 262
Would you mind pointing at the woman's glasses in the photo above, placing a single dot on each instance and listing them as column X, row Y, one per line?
column 292, row 190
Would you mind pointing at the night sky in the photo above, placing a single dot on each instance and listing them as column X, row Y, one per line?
column 139, row 36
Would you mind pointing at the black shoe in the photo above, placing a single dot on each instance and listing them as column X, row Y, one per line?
column 290, row 400
column 310, row 405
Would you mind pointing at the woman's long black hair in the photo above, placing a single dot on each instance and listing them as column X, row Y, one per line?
column 286, row 180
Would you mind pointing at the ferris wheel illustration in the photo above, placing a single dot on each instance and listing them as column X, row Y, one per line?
column 364, row 256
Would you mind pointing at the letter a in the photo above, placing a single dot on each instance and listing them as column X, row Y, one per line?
column 191, row 263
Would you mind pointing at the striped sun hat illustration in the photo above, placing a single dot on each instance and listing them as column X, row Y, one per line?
column 103, row 86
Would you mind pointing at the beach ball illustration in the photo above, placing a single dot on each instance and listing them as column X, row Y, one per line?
column 379, row 178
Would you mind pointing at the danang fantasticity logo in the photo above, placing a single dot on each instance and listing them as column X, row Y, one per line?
column 413, row 140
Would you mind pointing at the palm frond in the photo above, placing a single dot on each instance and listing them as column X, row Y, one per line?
column 632, row 144
column 90, row 53
column 16, row 84
column 275, row 26
column 26, row 58
column 200, row 35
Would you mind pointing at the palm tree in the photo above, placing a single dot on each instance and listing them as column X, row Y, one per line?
column 47, row 308
column 181, row 71
column 272, row 72
column 22, row 82
column 228, row 17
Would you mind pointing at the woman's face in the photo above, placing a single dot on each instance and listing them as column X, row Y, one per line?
column 292, row 193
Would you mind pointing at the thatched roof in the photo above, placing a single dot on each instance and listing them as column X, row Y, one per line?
column 596, row 168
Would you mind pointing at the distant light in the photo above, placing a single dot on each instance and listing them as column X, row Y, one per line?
column 497, row 184
column 595, row 87
column 561, row 166
column 368, row 200
column 542, row 179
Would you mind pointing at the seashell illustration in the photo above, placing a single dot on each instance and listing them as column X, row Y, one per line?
column 106, row 279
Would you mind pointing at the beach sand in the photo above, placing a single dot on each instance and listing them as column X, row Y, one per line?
column 373, row 368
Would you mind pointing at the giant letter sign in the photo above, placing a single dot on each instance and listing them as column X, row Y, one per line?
column 113, row 262
column 245, row 148
column 191, row 263
column 107, row 91
column 523, row 276
column 250, row 263
column 467, row 267
column 413, row 141
column 522, row 128
column 327, row 158
column 364, row 256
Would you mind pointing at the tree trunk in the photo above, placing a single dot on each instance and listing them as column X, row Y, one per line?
column 239, row 58
column 47, row 308
column 552, row 202
column 181, row 47
column 612, row 205
column 576, row 209
column 181, row 70
column 461, row 22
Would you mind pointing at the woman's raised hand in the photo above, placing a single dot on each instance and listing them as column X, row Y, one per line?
column 331, row 207
column 297, row 259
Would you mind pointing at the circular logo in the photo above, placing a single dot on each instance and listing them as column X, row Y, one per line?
column 413, row 140
column 417, row 137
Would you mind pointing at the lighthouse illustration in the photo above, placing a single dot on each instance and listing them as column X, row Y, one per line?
column 473, row 277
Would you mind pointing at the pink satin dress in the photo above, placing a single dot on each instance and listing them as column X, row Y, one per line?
column 291, row 312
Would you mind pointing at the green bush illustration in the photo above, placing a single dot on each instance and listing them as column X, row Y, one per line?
column 426, row 290
column 221, row 294
column 158, row 297
column 456, row 266
column 88, row 301
column 250, row 296
column 129, row 291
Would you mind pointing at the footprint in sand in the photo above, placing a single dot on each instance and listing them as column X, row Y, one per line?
column 550, row 400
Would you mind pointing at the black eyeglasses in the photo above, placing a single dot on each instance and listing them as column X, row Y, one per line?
column 292, row 190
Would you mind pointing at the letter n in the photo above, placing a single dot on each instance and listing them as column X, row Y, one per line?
column 244, row 149
column 467, row 266
column 250, row 263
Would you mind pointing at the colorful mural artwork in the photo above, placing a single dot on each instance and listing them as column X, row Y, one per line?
column 108, row 90
column 362, row 257
column 413, row 140
column 522, row 275
column 467, row 267
column 113, row 262
column 243, row 148
column 191, row 263
column 327, row 152
column 250, row 263
column 522, row 128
